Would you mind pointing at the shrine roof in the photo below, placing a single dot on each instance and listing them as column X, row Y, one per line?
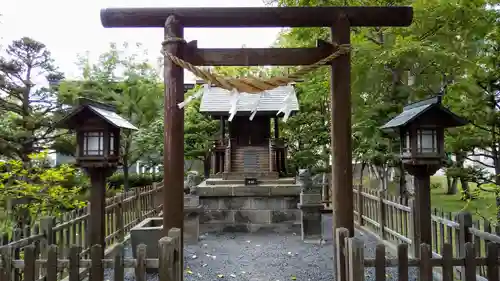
column 217, row 101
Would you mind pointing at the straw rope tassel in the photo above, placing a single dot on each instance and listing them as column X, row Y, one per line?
column 251, row 85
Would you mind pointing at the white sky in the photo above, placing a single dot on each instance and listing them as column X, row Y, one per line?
column 71, row 27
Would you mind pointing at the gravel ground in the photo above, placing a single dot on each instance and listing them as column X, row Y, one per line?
column 251, row 257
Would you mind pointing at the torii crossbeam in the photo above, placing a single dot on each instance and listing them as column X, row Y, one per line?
column 339, row 19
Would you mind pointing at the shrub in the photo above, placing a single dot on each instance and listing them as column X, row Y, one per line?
column 116, row 181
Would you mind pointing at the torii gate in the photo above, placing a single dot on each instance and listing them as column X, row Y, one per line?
column 339, row 19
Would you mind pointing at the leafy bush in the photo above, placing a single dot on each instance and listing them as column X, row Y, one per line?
column 116, row 181
column 30, row 193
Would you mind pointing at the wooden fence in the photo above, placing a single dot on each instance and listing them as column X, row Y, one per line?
column 391, row 219
column 48, row 268
column 70, row 231
column 353, row 263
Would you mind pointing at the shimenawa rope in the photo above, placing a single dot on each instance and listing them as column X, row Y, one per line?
column 250, row 85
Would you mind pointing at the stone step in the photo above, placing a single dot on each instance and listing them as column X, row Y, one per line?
column 220, row 181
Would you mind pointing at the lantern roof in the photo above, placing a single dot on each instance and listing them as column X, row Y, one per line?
column 106, row 112
column 416, row 110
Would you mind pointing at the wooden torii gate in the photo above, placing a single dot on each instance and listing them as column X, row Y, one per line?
column 339, row 19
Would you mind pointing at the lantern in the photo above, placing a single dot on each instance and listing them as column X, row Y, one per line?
column 97, row 129
column 420, row 128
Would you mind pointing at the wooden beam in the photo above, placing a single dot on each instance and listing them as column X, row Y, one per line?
column 257, row 16
column 257, row 56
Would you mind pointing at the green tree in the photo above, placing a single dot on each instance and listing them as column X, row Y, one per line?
column 394, row 66
column 28, row 107
column 477, row 96
column 199, row 133
column 130, row 83
column 42, row 189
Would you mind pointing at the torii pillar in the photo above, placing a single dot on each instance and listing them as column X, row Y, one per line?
column 340, row 19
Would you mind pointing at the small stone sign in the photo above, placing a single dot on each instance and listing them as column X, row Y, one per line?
column 251, row 181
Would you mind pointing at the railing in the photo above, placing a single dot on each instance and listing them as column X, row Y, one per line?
column 49, row 268
column 393, row 222
column 350, row 252
column 123, row 212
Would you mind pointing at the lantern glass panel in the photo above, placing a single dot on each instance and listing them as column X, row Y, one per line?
column 93, row 144
column 427, row 141
column 405, row 145
column 111, row 144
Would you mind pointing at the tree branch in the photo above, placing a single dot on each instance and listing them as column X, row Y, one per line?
column 479, row 162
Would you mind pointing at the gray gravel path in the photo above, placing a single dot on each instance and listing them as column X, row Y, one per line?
column 251, row 257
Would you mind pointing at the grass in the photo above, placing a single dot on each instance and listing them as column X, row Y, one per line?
column 481, row 207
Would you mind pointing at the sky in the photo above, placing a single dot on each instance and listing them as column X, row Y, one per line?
column 72, row 27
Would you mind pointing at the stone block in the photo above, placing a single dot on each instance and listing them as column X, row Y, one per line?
column 276, row 203
column 310, row 198
column 311, row 220
column 250, row 191
column 284, row 216
column 235, row 203
column 259, row 203
column 191, row 228
column 284, row 190
column 223, row 216
column 191, row 200
column 252, row 216
column 290, row 202
column 210, row 203
column 209, row 191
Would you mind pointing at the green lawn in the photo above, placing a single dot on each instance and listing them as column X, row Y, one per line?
column 484, row 205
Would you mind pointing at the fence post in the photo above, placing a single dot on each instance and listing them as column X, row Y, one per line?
column 46, row 225
column 138, row 204
column 119, row 219
column 465, row 220
column 415, row 239
column 360, row 205
column 381, row 214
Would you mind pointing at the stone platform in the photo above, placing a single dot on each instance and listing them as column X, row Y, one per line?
column 230, row 206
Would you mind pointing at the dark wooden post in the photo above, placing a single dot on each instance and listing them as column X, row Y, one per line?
column 423, row 231
column 342, row 195
column 97, row 227
column 97, row 206
column 173, row 156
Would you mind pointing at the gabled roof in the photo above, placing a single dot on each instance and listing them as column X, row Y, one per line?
column 414, row 110
column 217, row 101
column 101, row 110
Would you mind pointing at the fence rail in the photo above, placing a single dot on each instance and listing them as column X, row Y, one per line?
column 350, row 252
column 70, row 231
column 391, row 218
column 49, row 268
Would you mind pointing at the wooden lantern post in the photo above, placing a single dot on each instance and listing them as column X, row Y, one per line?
column 420, row 128
column 97, row 129
column 340, row 19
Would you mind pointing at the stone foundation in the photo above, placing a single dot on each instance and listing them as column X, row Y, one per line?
column 234, row 207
